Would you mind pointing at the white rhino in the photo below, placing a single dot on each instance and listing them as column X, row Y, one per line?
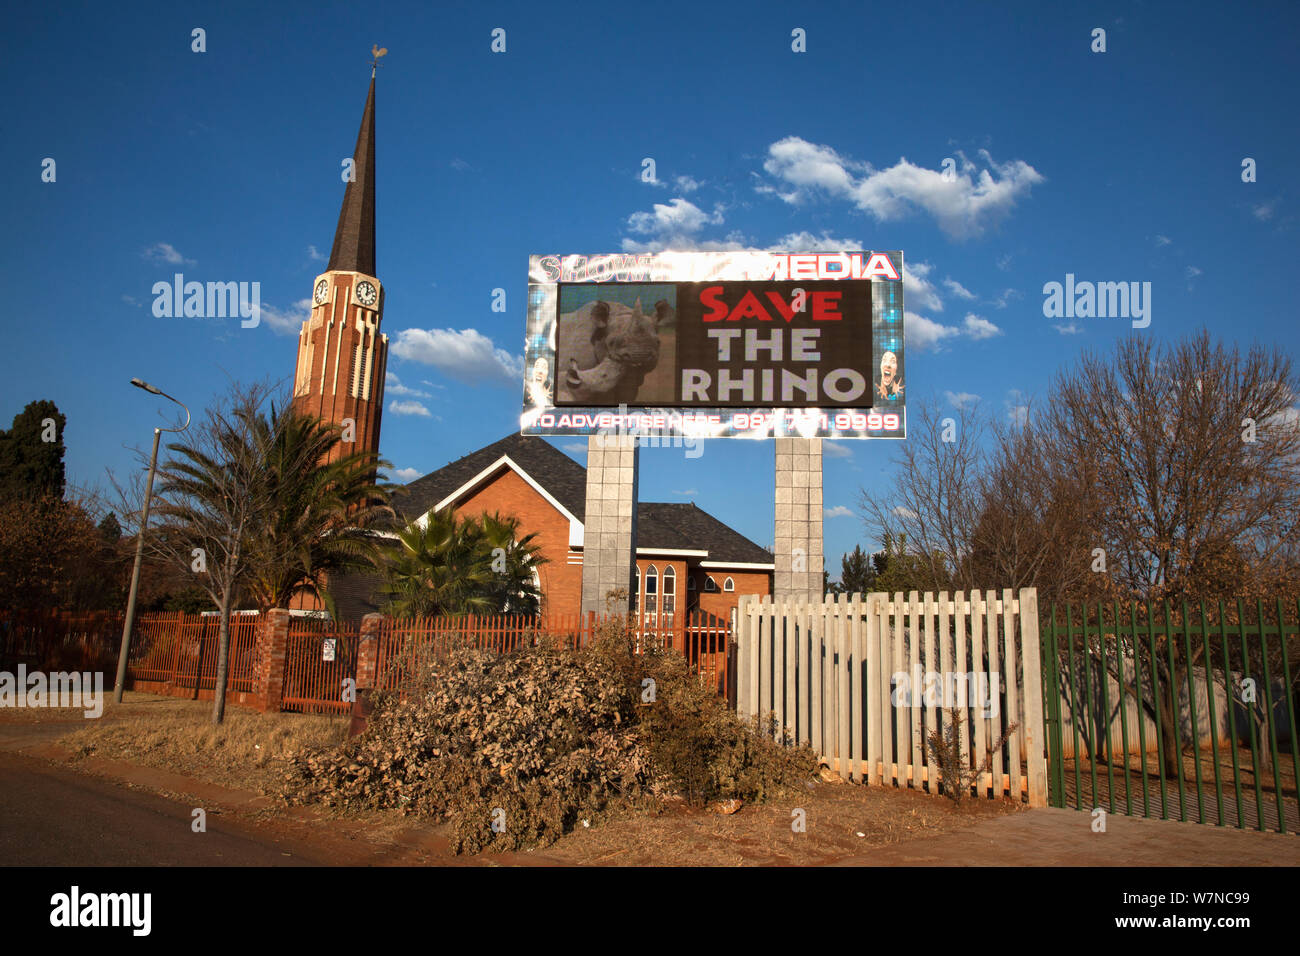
column 605, row 349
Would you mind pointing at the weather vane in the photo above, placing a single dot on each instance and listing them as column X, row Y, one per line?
column 377, row 51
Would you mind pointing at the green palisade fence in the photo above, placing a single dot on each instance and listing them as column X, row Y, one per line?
column 1185, row 712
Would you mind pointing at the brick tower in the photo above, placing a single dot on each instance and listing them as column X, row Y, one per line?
column 342, row 356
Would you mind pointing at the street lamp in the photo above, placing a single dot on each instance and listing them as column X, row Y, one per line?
column 139, row 541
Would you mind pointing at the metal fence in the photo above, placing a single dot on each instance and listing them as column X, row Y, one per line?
column 1185, row 712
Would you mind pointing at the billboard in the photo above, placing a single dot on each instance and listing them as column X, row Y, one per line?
column 716, row 345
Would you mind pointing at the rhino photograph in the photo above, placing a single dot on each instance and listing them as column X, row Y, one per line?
column 616, row 345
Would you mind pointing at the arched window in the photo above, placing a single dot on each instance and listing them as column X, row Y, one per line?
column 636, row 598
column 650, row 605
column 669, row 595
column 709, row 583
column 728, row 585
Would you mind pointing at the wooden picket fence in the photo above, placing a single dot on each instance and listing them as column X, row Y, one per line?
column 835, row 674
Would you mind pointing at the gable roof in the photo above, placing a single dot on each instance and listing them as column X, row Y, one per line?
column 669, row 525
column 688, row 527
column 562, row 477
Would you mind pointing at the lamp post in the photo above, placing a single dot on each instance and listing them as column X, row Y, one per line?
column 139, row 541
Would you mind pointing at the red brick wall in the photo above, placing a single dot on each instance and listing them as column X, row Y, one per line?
column 509, row 494
column 722, row 602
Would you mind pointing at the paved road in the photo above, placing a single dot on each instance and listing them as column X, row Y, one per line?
column 50, row 816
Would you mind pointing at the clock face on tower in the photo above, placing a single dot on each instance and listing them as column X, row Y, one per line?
column 366, row 293
column 322, row 290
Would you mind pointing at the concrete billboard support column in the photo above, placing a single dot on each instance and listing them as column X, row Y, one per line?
column 609, row 534
column 799, row 554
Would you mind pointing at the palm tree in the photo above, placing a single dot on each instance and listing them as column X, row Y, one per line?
column 207, row 501
column 250, row 505
column 515, row 587
column 439, row 566
column 315, row 517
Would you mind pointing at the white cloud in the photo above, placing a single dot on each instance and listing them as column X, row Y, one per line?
column 688, row 493
column 833, row 450
column 1162, row 241
column 674, row 218
column 577, row 447
column 1264, row 211
column 460, row 165
column 406, row 475
column 1007, row 296
column 735, row 241
column 839, row 511
column 806, row 242
column 165, row 252
column 1193, row 272
column 918, row 291
column 131, row 300
column 465, row 355
column 315, row 255
column 1004, row 262
column 290, row 320
column 963, row 206
column 903, row 512
column 409, row 408
column 956, row 288
column 393, row 386
column 1070, row 329
column 686, row 184
column 923, row 333
column 978, row 327
column 960, row 399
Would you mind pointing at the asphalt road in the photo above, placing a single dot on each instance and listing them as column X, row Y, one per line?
column 50, row 816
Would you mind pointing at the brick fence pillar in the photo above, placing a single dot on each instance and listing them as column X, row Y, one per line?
column 367, row 672
column 272, row 646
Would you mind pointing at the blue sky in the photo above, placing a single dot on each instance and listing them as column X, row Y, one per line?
column 224, row 165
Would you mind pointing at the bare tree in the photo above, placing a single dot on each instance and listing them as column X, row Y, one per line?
column 932, row 503
column 1193, row 453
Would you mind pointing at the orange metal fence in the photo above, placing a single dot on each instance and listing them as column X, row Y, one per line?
column 313, row 684
column 702, row 638
column 182, row 650
column 179, row 651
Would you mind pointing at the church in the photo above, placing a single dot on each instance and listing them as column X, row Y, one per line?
column 686, row 559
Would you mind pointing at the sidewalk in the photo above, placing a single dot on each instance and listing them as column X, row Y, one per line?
column 1054, row 837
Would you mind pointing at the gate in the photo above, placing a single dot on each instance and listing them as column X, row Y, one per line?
column 1187, row 713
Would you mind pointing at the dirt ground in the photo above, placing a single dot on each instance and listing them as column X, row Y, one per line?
column 137, row 743
column 843, row 824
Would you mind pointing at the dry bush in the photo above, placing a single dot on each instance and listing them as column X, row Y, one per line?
column 955, row 773
column 698, row 746
column 515, row 749
column 543, row 735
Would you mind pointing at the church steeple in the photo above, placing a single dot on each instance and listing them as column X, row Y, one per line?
column 354, row 239
column 342, row 354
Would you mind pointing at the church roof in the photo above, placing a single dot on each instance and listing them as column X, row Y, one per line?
column 354, row 239
column 670, row 525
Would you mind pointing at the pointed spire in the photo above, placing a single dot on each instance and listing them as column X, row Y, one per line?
column 354, row 239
